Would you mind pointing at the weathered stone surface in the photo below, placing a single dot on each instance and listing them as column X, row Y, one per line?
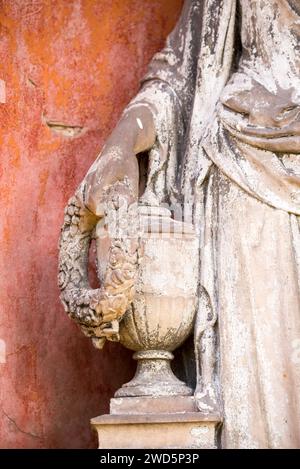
column 159, row 431
column 159, row 404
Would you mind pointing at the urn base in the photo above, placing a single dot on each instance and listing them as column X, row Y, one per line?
column 154, row 377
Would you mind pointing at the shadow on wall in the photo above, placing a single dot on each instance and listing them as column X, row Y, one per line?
column 67, row 70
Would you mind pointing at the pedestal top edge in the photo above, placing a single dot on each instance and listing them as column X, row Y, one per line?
column 179, row 417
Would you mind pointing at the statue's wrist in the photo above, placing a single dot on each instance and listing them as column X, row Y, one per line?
column 123, row 136
column 138, row 124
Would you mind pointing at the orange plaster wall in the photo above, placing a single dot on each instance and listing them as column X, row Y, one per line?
column 74, row 63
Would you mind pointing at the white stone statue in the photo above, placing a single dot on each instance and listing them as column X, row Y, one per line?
column 219, row 115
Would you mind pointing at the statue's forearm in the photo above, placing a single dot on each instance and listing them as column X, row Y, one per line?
column 136, row 130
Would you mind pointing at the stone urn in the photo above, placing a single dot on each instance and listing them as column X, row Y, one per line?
column 162, row 313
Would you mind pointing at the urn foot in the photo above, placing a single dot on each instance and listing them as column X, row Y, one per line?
column 154, row 377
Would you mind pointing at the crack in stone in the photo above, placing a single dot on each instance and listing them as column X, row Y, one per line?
column 31, row 82
column 33, row 435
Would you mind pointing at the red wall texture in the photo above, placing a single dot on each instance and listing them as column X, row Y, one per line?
column 69, row 67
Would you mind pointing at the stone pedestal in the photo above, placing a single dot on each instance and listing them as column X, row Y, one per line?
column 157, row 423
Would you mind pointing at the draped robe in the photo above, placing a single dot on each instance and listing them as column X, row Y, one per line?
column 225, row 97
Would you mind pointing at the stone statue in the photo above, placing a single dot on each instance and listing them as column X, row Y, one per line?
column 218, row 121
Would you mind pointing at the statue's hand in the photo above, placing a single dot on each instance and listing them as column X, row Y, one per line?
column 113, row 177
column 115, row 173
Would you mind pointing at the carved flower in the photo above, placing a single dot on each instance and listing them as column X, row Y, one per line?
column 73, row 230
column 116, row 256
column 71, row 210
column 75, row 220
column 63, row 278
column 75, row 277
column 67, row 219
column 94, row 299
column 73, row 201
